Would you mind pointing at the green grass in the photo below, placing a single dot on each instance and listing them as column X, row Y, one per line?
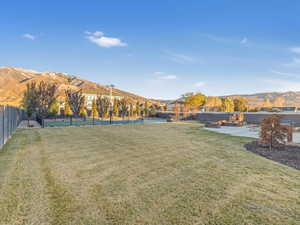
column 142, row 174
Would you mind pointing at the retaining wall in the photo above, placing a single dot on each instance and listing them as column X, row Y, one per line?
column 250, row 117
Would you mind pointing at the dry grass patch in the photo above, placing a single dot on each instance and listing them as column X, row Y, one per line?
column 142, row 174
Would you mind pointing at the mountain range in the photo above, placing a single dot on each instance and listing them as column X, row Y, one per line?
column 13, row 84
column 290, row 98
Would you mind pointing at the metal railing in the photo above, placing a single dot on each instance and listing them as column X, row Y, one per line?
column 10, row 117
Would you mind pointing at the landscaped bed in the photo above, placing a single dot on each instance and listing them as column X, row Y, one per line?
column 169, row 174
column 288, row 155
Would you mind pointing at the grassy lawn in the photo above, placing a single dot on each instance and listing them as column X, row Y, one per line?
column 142, row 174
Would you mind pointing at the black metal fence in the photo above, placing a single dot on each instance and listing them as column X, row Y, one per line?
column 10, row 117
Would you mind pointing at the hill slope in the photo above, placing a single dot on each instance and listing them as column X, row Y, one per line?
column 13, row 84
column 286, row 98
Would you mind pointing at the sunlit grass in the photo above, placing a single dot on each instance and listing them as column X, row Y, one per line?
column 142, row 174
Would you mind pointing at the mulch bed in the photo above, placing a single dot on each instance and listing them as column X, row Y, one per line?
column 288, row 155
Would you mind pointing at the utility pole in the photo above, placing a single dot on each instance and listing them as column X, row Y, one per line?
column 111, row 102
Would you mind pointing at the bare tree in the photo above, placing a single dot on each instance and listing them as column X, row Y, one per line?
column 102, row 106
column 273, row 134
column 75, row 100
column 176, row 111
column 124, row 107
column 46, row 94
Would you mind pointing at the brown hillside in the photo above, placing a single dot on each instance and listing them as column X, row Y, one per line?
column 13, row 84
column 288, row 98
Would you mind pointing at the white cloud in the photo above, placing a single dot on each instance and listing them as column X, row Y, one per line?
column 226, row 40
column 99, row 39
column 179, row 58
column 216, row 38
column 168, row 77
column 286, row 74
column 282, row 85
column 199, row 84
column 294, row 63
column 244, row 40
column 164, row 76
column 29, row 36
column 295, row 50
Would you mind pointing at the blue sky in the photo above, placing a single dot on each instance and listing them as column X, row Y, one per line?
column 159, row 48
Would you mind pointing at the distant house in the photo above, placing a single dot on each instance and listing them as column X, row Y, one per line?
column 171, row 105
column 90, row 97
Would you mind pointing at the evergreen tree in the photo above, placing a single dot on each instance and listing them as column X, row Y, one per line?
column 137, row 109
column 131, row 111
column 82, row 111
column 94, row 109
column 116, row 108
column 146, row 109
column 67, row 110
column 54, row 108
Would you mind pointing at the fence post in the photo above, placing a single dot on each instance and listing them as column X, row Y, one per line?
column 3, row 125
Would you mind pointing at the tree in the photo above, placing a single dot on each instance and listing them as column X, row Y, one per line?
column 146, row 109
column 82, row 111
column 272, row 133
column 75, row 100
column 227, row 105
column 131, row 110
column 124, row 107
column 196, row 100
column 39, row 98
column 46, row 96
column 240, row 104
column 186, row 109
column 137, row 109
column 213, row 103
column 103, row 104
column 153, row 110
column 30, row 100
column 67, row 110
column 116, row 107
column 176, row 111
column 94, row 109
column 54, row 108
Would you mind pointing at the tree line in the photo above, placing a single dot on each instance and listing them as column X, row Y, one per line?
column 217, row 104
column 42, row 99
column 193, row 101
